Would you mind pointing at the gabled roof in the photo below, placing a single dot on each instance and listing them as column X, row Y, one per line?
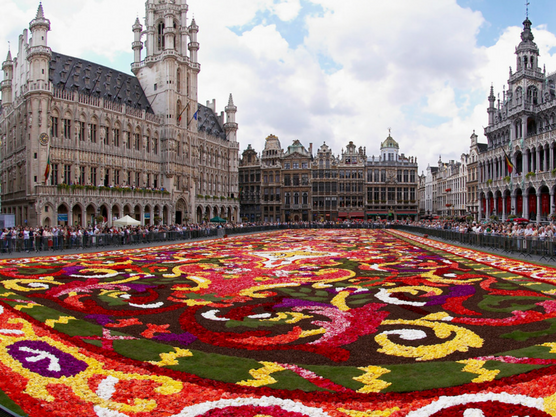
column 208, row 122
column 96, row 80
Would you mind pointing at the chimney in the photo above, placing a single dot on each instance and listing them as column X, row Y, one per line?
column 311, row 149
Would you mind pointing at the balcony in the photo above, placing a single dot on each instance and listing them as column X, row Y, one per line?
column 101, row 192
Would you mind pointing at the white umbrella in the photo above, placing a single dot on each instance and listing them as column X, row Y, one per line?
column 126, row 221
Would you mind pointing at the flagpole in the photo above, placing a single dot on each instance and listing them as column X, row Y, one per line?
column 194, row 117
column 47, row 169
column 184, row 109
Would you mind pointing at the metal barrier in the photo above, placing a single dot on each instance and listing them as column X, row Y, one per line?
column 39, row 244
column 528, row 247
column 525, row 246
column 5, row 412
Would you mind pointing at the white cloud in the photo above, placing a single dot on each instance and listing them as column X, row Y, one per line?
column 287, row 10
column 442, row 102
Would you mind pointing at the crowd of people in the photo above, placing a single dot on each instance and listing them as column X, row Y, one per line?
column 28, row 239
column 508, row 228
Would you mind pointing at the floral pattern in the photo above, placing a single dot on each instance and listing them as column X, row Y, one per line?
column 293, row 323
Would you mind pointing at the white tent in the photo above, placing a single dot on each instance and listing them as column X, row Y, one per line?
column 126, row 221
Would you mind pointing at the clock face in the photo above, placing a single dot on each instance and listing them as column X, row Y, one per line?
column 43, row 139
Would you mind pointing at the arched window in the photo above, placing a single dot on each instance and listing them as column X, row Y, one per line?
column 160, row 36
column 532, row 95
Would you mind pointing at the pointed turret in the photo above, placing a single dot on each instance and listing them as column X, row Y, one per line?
column 137, row 45
column 40, row 12
column 527, row 51
column 6, row 85
column 491, row 109
column 39, row 54
column 193, row 45
column 231, row 126
column 39, row 26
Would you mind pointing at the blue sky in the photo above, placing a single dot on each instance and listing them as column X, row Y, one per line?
column 499, row 14
column 327, row 71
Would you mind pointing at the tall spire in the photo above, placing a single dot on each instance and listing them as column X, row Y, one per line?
column 40, row 12
column 527, row 9
column 527, row 35
column 40, row 21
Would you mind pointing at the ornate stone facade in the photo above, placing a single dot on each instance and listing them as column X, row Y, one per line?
column 299, row 186
column 115, row 144
column 522, row 128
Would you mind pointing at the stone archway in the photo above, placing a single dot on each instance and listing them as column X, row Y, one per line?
column 90, row 214
column 63, row 215
column 115, row 212
column 137, row 213
column 77, row 215
column 544, row 208
column 181, row 211
column 147, row 215
column 532, row 204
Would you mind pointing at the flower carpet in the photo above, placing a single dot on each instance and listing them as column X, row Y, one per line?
column 356, row 323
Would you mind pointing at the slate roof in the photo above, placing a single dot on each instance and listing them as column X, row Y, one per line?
column 208, row 122
column 88, row 78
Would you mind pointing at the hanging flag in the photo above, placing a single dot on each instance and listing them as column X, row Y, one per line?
column 184, row 109
column 508, row 163
column 47, row 170
column 194, row 117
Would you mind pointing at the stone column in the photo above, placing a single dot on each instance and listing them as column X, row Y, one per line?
column 525, row 206
column 525, row 161
column 537, row 159
column 551, row 157
column 551, row 202
column 539, row 211
column 503, row 208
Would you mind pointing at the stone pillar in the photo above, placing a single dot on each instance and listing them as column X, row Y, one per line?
column 551, row 202
column 546, row 150
column 504, row 208
column 539, row 211
column 537, row 159
column 551, row 157
column 525, row 160
column 514, row 202
column 525, row 210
